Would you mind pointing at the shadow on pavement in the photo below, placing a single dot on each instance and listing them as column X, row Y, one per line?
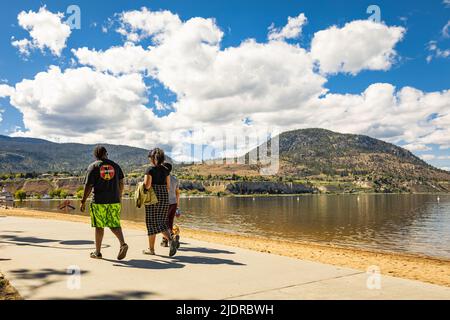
column 121, row 295
column 76, row 242
column 41, row 242
column 44, row 277
column 176, row 263
column 146, row 264
column 205, row 260
column 40, row 274
column 117, row 295
column 26, row 240
column 205, row 250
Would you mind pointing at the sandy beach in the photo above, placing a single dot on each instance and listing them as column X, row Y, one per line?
column 430, row 270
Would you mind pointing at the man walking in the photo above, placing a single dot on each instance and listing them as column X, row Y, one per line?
column 105, row 178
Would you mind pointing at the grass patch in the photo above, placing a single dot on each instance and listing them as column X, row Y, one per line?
column 7, row 291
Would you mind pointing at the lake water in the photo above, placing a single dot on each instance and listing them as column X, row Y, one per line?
column 418, row 224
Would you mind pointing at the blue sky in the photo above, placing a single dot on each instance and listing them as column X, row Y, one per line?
column 241, row 20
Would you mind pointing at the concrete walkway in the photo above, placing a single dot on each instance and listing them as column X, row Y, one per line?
column 39, row 256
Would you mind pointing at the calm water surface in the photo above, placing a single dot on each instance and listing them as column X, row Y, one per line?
column 407, row 223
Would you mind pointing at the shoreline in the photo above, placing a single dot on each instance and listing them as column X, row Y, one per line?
column 402, row 265
column 262, row 195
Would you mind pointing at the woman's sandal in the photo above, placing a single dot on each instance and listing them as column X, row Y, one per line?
column 173, row 247
column 122, row 252
column 149, row 252
column 96, row 255
column 177, row 238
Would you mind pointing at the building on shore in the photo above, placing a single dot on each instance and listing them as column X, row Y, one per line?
column 6, row 198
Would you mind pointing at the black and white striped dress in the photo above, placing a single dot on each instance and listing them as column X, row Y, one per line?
column 156, row 214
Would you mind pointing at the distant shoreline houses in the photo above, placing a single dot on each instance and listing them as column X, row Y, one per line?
column 6, row 198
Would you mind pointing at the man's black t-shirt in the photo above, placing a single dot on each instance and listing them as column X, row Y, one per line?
column 104, row 176
column 159, row 175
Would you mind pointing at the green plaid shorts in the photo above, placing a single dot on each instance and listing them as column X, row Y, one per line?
column 105, row 215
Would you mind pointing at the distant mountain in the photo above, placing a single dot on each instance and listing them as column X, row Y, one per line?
column 341, row 162
column 37, row 155
column 309, row 152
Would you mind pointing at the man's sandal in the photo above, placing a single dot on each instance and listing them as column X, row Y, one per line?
column 122, row 252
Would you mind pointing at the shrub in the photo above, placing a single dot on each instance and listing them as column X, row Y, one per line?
column 80, row 194
column 54, row 193
column 20, row 195
column 63, row 194
column 58, row 193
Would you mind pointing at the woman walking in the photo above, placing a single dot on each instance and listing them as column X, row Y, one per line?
column 157, row 177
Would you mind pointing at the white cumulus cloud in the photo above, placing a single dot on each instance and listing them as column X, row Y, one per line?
column 6, row 90
column 359, row 45
column 381, row 111
column 46, row 30
column 140, row 24
column 85, row 106
column 117, row 60
column 291, row 30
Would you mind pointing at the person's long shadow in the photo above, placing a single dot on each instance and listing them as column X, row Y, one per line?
column 77, row 242
column 42, row 273
column 176, row 262
column 205, row 250
column 26, row 240
column 121, row 295
column 49, row 243
column 146, row 264
column 116, row 295
column 205, row 260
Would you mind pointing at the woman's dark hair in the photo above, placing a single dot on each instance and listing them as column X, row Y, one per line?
column 100, row 152
column 157, row 156
column 168, row 166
